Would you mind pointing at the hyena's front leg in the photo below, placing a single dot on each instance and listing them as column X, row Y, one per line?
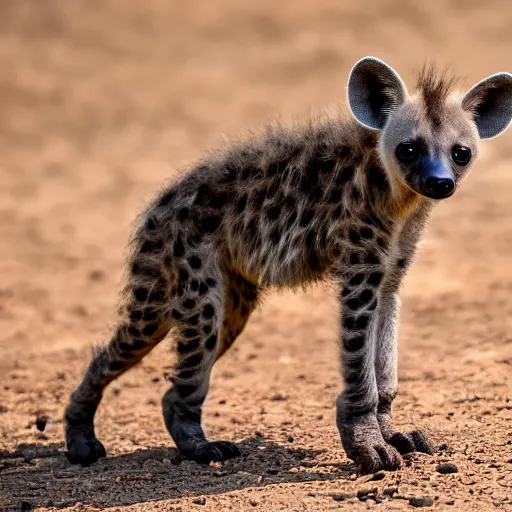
column 357, row 405
column 386, row 370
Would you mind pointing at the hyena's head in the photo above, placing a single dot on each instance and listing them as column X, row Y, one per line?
column 429, row 138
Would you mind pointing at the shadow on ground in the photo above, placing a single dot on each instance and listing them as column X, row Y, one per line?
column 35, row 476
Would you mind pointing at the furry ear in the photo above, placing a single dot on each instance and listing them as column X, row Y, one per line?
column 490, row 102
column 375, row 91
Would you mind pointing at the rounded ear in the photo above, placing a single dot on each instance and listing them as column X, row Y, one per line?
column 490, row 102
column 375, row 91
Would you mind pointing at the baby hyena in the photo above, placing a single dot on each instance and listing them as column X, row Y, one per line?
column 333, row 198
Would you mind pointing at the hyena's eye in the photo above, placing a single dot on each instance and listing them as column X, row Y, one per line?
column 408, row 152
column 461, row 155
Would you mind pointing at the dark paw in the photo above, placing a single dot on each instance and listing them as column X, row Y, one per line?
column 414, row 441
column 217, row 451
column 85, row 450
column 376, row 458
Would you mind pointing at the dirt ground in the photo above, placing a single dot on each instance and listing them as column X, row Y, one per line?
column 102, row 102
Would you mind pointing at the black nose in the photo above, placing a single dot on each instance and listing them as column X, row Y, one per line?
column 438, row 188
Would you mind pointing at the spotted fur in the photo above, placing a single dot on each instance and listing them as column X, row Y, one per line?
column 288, row 208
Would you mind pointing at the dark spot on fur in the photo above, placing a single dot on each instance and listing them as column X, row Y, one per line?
column 150, row 315
column 202, row 289
column 193, row 320
column 188, row 346
column 189, row 303
column 116, row 365
column 362, row 322
column 372, row 306
column 356, row 194
column 207, row 329
column 151, row 246
column 218, row 200
column 204, row 192
column 372, row 220
column 335, row 195
column 366, row 233
column 181, row 289
column 135, row 315
column 141, row 294
column 150, row 329
column 194, row 360
column 345, row 175
column 183, row 275
column 354, row 236
column 210, row 224
column 185, row 390
column 375, row 278
column 235, row 298
column 157, row 295
column 275, row 235
column 356, row 280
column 151, row 224
column 211, row 282
column 354, row 344
column 183, row 214
column 336, row 213
column 355, row 363
column 195, row 262
column 355, row 258
column 249, row 173
column 211, row 342
column 377, row 178
column 382, row 242
column 360, row 301
column 273, row 212
column 176, row 314
column 194, row 285
column 306, row 217
column 371, row 259
column 133, row 331
column 179, row 248
column 186, row 374
column 402, row 263
column 258, row 198
column 190, row 333
column 208, row 311
column 241, row 203
column 349, row 322
column 166, row 198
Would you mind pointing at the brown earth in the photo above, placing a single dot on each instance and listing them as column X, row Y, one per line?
column 101, row 102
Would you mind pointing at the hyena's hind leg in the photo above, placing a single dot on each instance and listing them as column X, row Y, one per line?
column 211, row 317
column 147, row 322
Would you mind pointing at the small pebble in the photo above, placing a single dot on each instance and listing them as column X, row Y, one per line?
column 41, row 422
column 421, row 502
column 199, row 501
column 342, row 497
column 389, row 491
column 380, row 475
column 446, row 468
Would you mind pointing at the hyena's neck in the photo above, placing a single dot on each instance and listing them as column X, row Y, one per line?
column 393, row 203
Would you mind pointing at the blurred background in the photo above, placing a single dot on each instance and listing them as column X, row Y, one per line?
column 103, row 102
